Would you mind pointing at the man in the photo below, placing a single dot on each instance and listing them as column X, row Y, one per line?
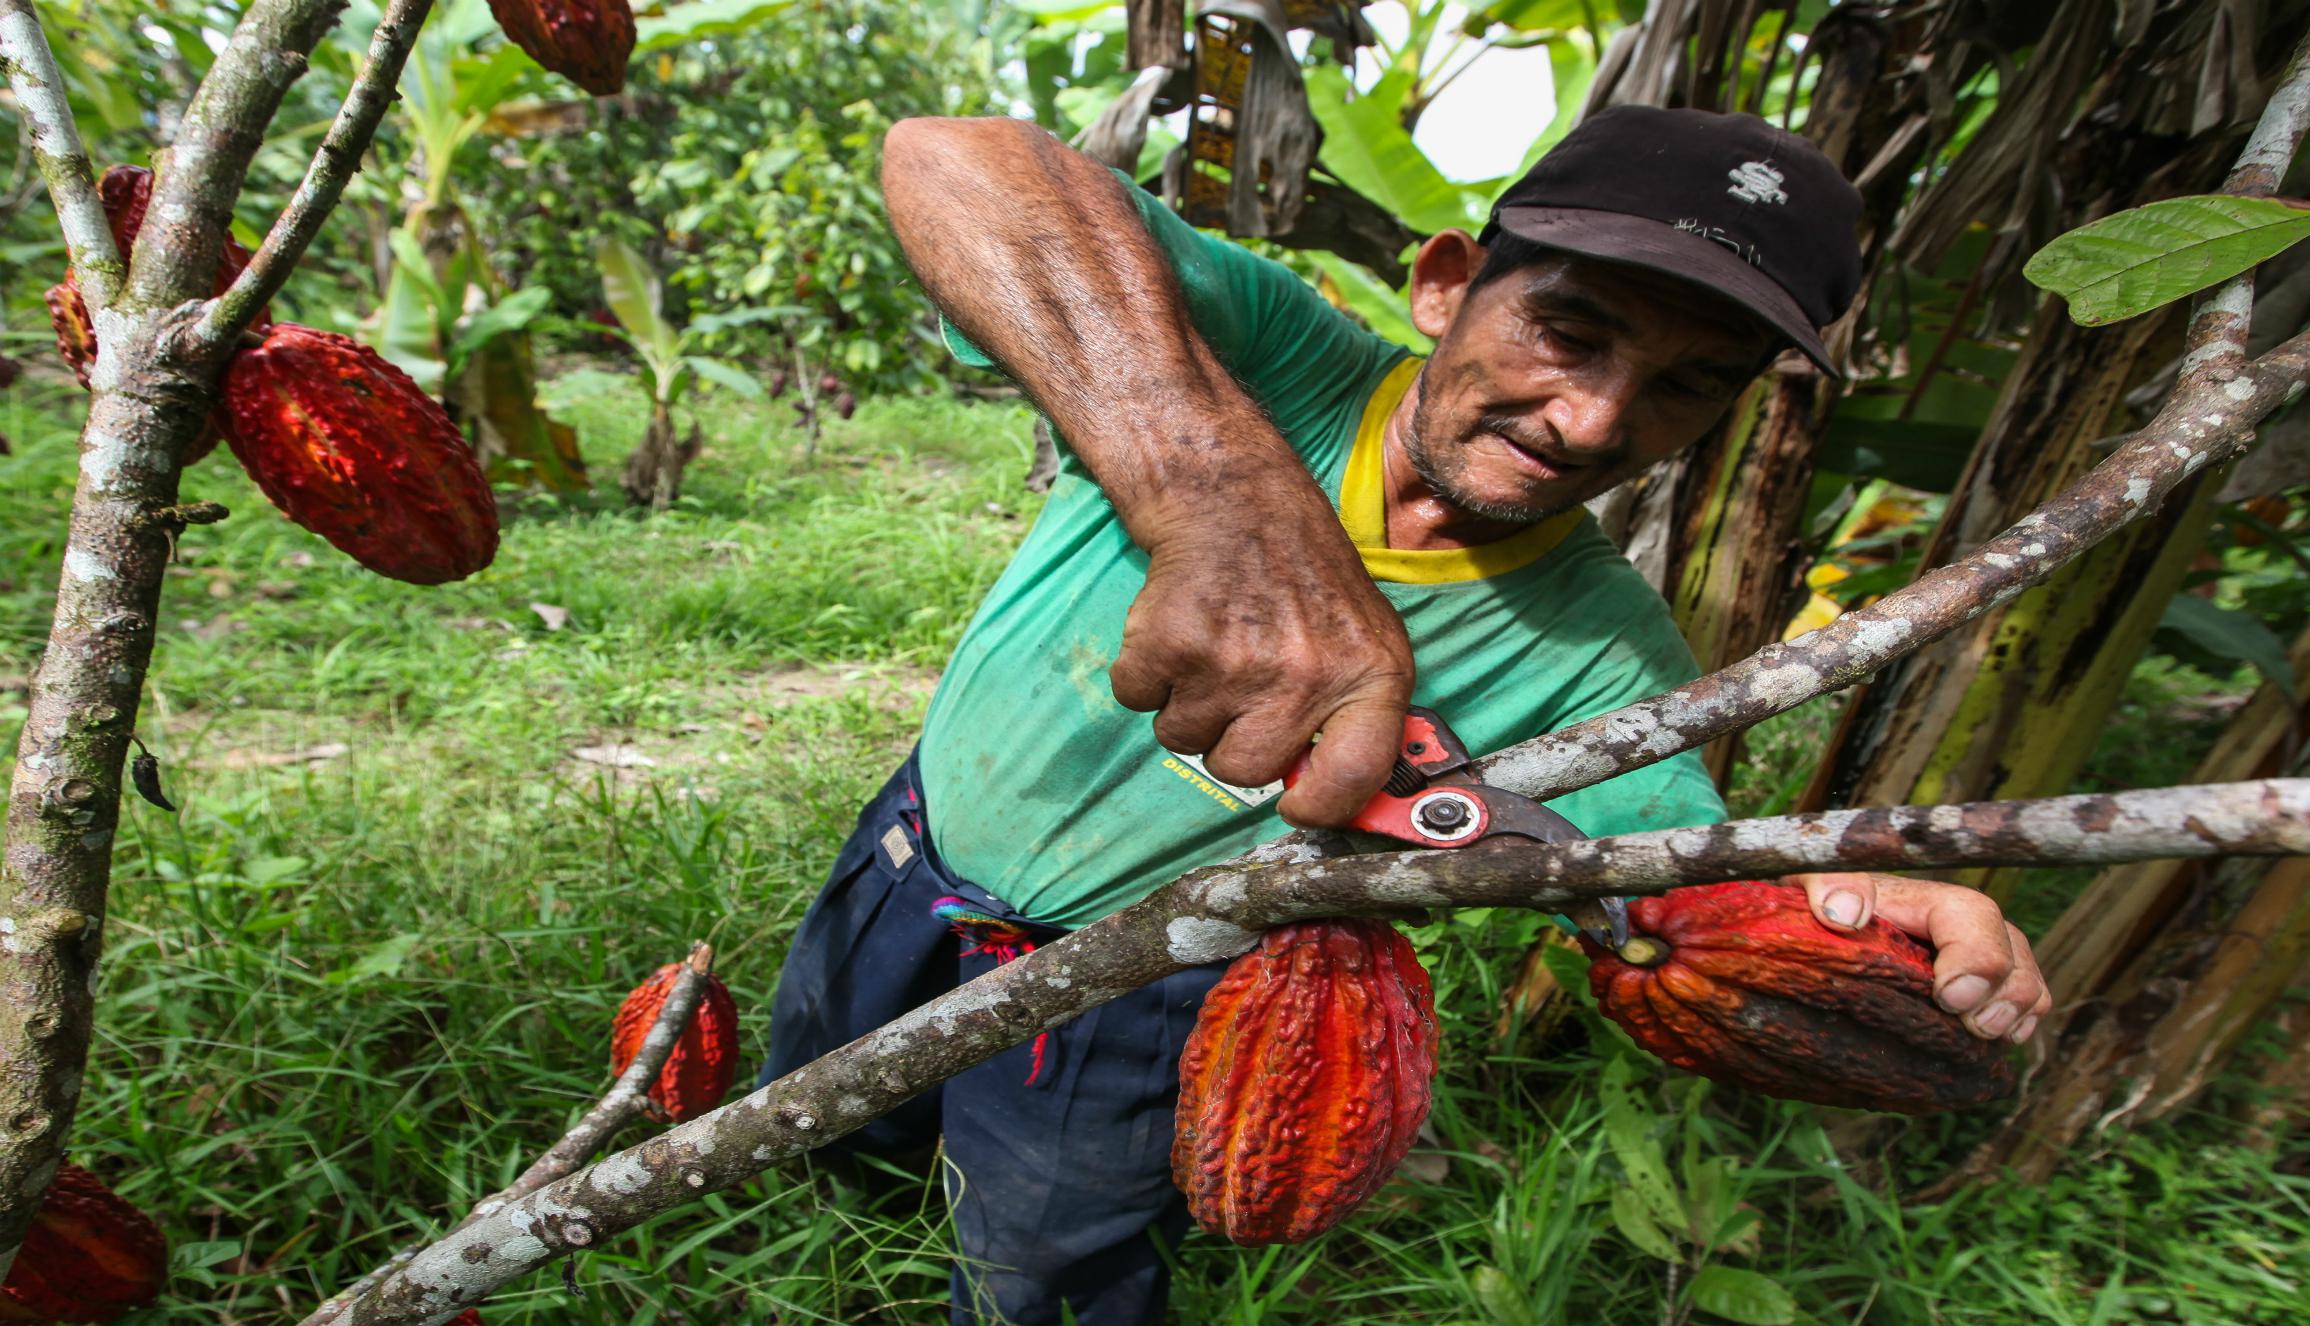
column 1269, row 524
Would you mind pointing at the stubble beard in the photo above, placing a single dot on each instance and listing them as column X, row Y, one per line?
column 1443, row 475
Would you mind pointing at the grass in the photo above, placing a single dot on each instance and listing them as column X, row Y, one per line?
column 347, row 994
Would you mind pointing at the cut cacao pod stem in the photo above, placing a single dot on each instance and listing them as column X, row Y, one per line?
column 1216, row 913
column 619, row 1106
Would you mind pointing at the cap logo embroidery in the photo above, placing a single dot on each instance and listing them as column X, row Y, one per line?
column 1756, row 182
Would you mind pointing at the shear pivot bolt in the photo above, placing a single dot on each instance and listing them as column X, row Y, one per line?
column 1443, row 814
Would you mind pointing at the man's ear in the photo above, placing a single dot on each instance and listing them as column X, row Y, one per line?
column 1441, row 271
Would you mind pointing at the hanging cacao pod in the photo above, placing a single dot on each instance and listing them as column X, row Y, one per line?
column 1740, row 983
column 89, row 1256
column 348, row 447
column 698, row 1073
column 587, row 42
column 1305, row 1080
column 469, row 1317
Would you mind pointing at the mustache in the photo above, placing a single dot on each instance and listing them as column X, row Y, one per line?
column 1543, row 441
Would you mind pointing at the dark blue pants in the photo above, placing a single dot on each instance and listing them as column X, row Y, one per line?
column 1055, row 1185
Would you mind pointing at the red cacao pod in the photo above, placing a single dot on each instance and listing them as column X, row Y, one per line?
column 698, row 1073
column 469, row 1317
column 1305, row 1080
column 89, row 1256
column 1740, row 983
column 351, row 449
column 587, row 42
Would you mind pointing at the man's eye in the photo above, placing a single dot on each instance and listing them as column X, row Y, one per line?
column 1555, row 336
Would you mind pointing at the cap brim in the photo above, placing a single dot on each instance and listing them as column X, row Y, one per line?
column 1659, row 247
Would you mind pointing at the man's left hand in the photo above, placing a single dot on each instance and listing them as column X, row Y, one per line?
column 1983, row 969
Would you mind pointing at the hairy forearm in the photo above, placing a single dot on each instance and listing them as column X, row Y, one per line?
column 1037, row 254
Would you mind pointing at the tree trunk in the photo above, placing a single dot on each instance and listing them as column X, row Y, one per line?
column 653, row 475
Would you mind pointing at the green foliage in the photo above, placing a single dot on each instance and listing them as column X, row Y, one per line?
column 346, row 996
column 2146, row 257
column 745, row 171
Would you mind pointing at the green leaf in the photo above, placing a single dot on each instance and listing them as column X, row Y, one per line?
column 706, row 324
column 702, row 18
column 1628, row 1128
column 2147, row 257
column 1385, row 311
column 2230, row 635
column 728, row 375
column 1743, row 1296
column 1638, row 1227
column 1366, row 146
column 631, row 290
column 384, row 959
column 509, row 314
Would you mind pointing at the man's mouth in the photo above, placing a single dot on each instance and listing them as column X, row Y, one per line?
column 1537, row 463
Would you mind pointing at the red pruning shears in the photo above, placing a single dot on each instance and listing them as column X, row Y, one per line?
column 1432, row 799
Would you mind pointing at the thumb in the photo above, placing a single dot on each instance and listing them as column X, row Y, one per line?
column 1360, row 743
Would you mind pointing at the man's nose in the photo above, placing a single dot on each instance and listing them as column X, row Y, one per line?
column 1591, row 417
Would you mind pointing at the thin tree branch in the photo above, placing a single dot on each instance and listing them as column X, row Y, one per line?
column 613, row 1111
column 335, row 163
column 42, row 100
column 200, row 175
column 2220, row 321
column 1216, row 913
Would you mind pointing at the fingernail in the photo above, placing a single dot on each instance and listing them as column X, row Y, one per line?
column 1994, row 1019
column 1963, row 993
column 2027, row 1029
column 1843, row 909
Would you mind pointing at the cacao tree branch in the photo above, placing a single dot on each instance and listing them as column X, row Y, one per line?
column 613, row 1111
column 2220, row 320
column 335, row 163
column 1218, row 912
column 199, row 176
column 149, row 399
column 42, row 100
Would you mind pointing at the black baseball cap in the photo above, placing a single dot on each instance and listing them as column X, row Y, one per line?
column 1728, row 202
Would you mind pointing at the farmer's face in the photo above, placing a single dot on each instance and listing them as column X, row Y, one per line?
column 1563, row 378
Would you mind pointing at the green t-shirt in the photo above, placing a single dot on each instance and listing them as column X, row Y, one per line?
column 1046, row 792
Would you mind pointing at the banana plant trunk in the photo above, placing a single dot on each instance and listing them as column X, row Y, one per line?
column 2162, row 967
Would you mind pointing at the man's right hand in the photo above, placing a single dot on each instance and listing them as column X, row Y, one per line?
column 1257, row 629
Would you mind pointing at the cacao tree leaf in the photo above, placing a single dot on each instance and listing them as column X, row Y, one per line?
column 2146, row 257
column 1638, row 1227
column 2228, row 635
column 1742, row 1296
column 702, row 18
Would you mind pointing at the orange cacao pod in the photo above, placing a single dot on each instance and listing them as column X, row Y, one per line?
column 1305, row 1080
column 351, row 449
column 697, row 1074
column 89, row 1256
column 1740, row 983
column 585, row 41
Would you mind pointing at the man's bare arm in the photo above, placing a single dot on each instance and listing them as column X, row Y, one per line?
column 1037, row 254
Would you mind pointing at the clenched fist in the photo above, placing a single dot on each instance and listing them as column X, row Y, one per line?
column 1245, row 668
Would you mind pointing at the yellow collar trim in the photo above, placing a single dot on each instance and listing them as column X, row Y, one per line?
column 1363, row 509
